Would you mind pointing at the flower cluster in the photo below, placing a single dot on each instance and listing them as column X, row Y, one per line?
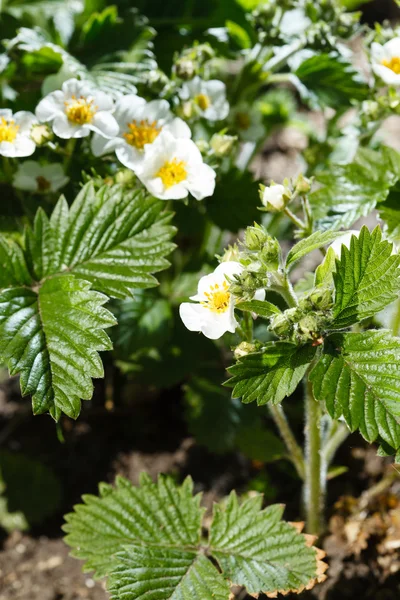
column 146, row 137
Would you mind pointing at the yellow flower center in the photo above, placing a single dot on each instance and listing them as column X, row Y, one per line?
column 8, row 130
column 172, row 172
column 42, row 184
column 217, row 298
column 203, row 101
column 80, row 110
column 141, row 133
column 393, row 64
column 242, row 120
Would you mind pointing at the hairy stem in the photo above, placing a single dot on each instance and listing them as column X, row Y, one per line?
column 315, row 474
column 287, row 435
column 298, row 222
column 338, row 434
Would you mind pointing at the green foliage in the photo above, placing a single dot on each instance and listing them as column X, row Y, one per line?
column 223, row 424
column 272, row 374
column 367, row 278
column 262, row 308
column 24, row 483
column 148, row 539
column 330, row 80
column 316, row 240
column 352, row 191
column 51, row 321
column 358, row 378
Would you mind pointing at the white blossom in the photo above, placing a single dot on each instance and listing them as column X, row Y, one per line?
column 386, row 61
column 273, row 197
column 77, row 109
column 15, row 130
column 212, row 311
column 172, row 168
column 140, row 124
column 31, row 176
column 208, row 98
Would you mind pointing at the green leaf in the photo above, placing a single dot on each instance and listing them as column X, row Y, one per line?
column 389, row 213
column 262, row 308
column 313, row 242
column 330, row 80
column 270, row 375
column 24, row 483
column 358, row 378
column 166, row 574
column 13, row 270
column 154, row 514
column 144, row 321
column 113, row 237
column 52, row 337
column 258, row 550
column 324, row 272
column 148, row 541
column 367, row 278
column 351, row 191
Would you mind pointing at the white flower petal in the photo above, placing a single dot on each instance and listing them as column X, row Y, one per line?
column 129, row 156
column 377, row 53
column 105, row 124
column 50, row 106
column 343, row 240
column 64, row 129
column 392, row 48
column 101, row 145
column 6, row 113
column 213, row 325
column 178, row 128
column 386, row 74
column 201, row 182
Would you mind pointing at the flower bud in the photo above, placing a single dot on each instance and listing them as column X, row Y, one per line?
column 281, row 325
column 185, row 68
column 41, row 134
column 270, row 253
column 125, row 177
column 222, row 144
column 308, row 325
column 275, row 197
column 321, row 298
column 303, row 185
column 231, row 254
column 255, row 238
column 203, row 146
column 243, row 349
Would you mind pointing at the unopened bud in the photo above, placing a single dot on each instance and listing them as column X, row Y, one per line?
column 255, row 238
column 243, row 349
column 281, row 325
column 41, row 134
column 125, row 177
column 303, row 185
column 222, row 144
column 203, row 146
column 231, row 254
column 185, row 68
column 274, row 197
column 270, row 254
column 321, row 298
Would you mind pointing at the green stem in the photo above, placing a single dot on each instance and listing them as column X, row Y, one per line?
column 7, row 169
column 338, row 434
column 315, row 475
column 69, row 151
column 395, row 324
column 288, row 293
column 286, row 433
column 298, row 222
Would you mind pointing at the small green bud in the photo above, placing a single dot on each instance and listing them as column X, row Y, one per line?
column 322, row 298
column 243, row 349
column 270, row 253
column 203, row 146
column 125, row 177
column 222, row 145
column 255, row 238
column 303, row 185
column 41, row 134
column 308, row 325
column 281, row 325
column 231, row 254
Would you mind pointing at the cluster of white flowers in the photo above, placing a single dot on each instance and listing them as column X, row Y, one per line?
column 145, row 136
